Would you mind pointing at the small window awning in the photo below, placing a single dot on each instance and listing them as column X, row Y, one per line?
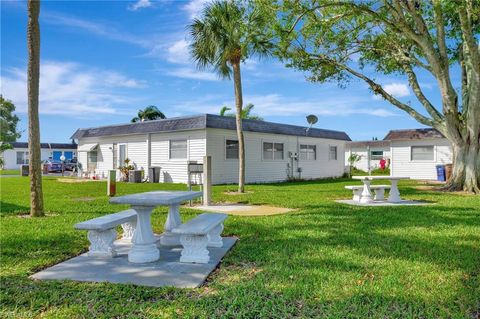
column 87, row 147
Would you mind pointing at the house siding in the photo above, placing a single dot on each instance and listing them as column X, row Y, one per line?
column 259, row 170
column 402, row 165
column 362, row 151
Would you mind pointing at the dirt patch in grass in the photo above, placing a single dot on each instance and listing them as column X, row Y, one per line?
column 84, row 199
column 74, row 180
column 435, row 188
column 237, row 193
column 245, row 210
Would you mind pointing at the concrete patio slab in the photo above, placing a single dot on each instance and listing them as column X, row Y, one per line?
column 245, row 210
column 383, row 203
column 167, row 271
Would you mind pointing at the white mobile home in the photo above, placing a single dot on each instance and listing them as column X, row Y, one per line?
column 17, row 156
column 416, row 152
column 370, row 152
column 413, row 153
column 273, row 151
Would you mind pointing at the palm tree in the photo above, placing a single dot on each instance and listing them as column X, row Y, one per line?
column 150, row 113
column 224, row 36
column 33, row 75
column 245, row 112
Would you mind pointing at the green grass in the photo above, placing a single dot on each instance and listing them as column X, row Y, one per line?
column 325, row 260
column 9, row 172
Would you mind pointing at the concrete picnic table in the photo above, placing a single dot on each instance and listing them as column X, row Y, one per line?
column 366, row 196
column 144, row 248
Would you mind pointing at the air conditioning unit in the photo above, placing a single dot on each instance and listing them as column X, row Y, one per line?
column 135, row 176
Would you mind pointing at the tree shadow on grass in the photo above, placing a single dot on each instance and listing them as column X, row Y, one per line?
column 13, row 209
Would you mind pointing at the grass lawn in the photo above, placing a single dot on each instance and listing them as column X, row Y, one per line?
column 9, row 172
column 325, row 260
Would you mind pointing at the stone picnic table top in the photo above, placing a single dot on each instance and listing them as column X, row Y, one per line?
column 156, row 198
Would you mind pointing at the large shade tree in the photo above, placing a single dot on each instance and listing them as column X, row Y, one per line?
column 33, row 80
column 337, row 40
column 8, row 126
column 149, row 113
column 225, row 35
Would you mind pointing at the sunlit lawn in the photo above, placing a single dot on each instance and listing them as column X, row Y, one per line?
column 324, row 260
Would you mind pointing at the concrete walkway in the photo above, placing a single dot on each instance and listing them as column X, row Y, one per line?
column 167, row 271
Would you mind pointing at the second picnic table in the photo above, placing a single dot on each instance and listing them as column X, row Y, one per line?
column 144, row 248
column 366, row 196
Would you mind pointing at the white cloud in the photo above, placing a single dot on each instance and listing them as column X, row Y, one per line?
column 70, row 89
column 194, row 7
column 191, row 73
column 281, row 106
column 396, row 89
column 139, row 5
column 178, row 52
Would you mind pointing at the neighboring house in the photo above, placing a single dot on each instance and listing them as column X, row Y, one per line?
column 371, row 152
column 414, row 153
column 273, row 151
column 18, row 155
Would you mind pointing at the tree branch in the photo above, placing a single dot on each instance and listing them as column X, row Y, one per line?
column 378, row 89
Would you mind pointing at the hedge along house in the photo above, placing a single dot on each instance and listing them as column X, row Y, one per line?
column 18, row 155
column 273, row 151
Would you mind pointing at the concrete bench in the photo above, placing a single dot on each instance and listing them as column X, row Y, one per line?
column 378, row 189
column 102, row 233
column 199, row 233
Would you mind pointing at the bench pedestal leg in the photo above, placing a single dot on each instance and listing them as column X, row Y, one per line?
column 194, row 249
column 101, row 243
column 129, row 230
column 357, row 193
column 214, row 238
column 379, row 194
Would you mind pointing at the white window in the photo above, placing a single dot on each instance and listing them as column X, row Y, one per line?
column 308, row 152
column 272, row 151
column 92, row 160
column 422, row 153
column 178, row 149
column 22, row 158
column 231, row 149
column 376, row 155
column 122, row 154
column 332, row 154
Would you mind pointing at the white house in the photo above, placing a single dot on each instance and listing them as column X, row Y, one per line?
column 18, row 155
column 371, row 153
column 273, row 151
column 414, row 153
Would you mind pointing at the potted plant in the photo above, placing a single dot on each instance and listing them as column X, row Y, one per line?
column 125, row 169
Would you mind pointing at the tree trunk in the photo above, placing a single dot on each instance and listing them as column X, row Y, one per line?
column 237, row 81
column 466, row 168
column 33, row 43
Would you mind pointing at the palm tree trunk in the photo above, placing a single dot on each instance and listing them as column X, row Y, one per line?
column 33, row 43
column 237, row 81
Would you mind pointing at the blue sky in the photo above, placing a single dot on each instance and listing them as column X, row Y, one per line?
column 101, row 61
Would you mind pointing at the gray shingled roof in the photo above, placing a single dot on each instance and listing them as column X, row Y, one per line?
column 413, row 134
column 206, row 121
column 382, row 143
column 45, row 145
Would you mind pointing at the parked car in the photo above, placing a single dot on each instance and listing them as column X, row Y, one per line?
column 52, row 166
column 70, row 164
